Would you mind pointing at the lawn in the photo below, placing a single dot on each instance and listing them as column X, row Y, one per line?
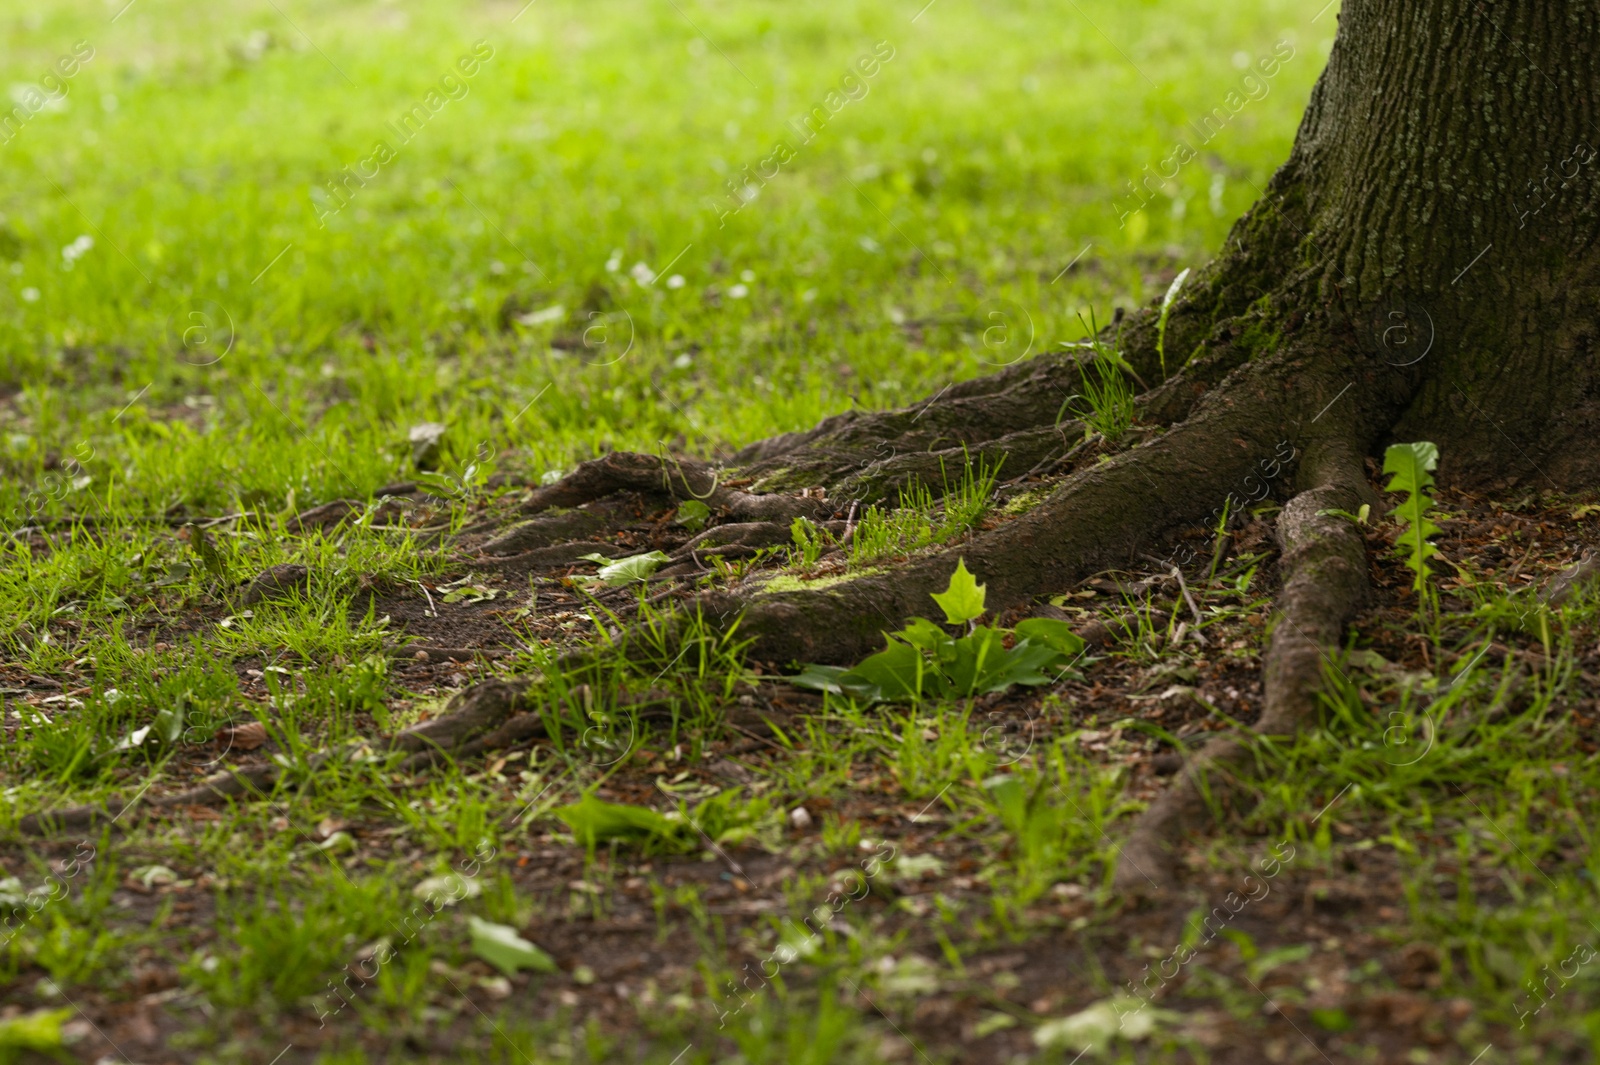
column 300, row 301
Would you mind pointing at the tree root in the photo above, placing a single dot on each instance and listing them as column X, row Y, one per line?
column 1325, row 579
column 675, row 479
column 1094, row 519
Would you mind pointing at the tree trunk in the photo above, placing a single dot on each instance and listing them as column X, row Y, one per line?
column 1440, row 206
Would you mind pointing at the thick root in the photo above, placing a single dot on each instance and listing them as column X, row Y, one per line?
column 1097, row 518
column 1010, row 456
column 676, row 480
column 1325, row 580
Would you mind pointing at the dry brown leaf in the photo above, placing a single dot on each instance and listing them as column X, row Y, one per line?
column 243, row 737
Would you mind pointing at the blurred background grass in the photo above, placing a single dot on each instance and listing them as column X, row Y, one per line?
column 215, row 341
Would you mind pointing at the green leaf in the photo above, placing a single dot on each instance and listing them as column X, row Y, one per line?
column 693, row 515
column 926, row 636
column 627, row 570
column 40, row 1031
column 500, row 946
column 899, row 671
column 1026, row 663
column 962, row 601
column 1054, row 634
column 820, row 678
column 472, row 593
column 979, row 656
column 447, row 889
column 1092, row 1030
column 1410, row 467
column 13, row 896
column 1332, row 1019
column 593, row 821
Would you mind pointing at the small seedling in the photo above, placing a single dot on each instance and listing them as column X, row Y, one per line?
column 1410, row 467
column 923, row 661
column 810, row 540
column 1359, row 517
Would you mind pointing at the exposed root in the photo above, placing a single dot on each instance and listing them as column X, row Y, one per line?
column 754, row 534
column 674, row 479
column 1325, row 579
column 1101, row 515
column 1025, row 395
column 1012, row 455
column 1096, row 518
column 548, row 530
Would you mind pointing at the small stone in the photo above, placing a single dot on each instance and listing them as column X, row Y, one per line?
column 800, row 818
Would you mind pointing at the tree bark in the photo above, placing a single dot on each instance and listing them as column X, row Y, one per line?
column 1440, row 200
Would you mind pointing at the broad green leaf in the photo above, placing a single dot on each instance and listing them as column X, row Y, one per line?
column 13, row 896
column 962, row 601
column 500, row 946
column 1091, row 1030
column 899, row 671
column 978, row 656
column 472, row 593
column 447, row 889
column 693, row 515
column 593, row 821
column 1026, row 663
column 926, row 636
column 819, row 678
column 627, row 570
column 168, row 725
column 1051, row 633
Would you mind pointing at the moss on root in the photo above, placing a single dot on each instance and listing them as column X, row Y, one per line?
column 789, row 582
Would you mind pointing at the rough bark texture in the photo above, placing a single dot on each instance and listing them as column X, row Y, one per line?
column 1446, row 180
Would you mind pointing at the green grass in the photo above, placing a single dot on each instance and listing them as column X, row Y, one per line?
column 588, row 139
column 213, row 351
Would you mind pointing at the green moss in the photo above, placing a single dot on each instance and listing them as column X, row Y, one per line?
column 1260, row 336
column 789, row 478
column 787, row 582
column 1027, row 500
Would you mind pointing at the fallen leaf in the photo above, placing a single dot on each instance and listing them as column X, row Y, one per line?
column 243, row 737
column 338, row 843
column 500, row 946
column 447, row 889
column 553, row 313
column 1091, row 1030
column 149, row 876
